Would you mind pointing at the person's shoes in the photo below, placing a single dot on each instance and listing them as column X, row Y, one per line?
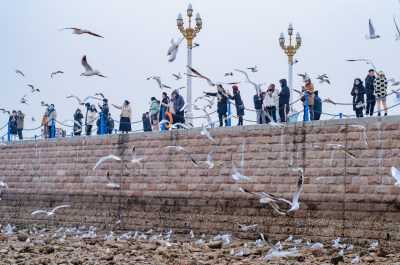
column 366, row 114
column 379, row 114
column 371, row 114
column 386, row 114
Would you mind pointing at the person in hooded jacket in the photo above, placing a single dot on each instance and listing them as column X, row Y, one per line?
column 258, row 105
column 222, row 107
column 317, row 106
column 271, row 102
column 13, row 120
column 91, row 119
column 146, row 122
column 369, row 90
column 380, row 91
column 238, row 103
column 51, row 115
column 358, row 93
column 110, row 124
column 284, row 97
column 178, row 102
column 78, row 116
column 309, row 90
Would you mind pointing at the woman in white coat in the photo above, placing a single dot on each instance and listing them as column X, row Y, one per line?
column 271, row 102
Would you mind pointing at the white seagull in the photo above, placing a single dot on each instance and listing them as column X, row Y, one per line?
column 174, row 46
column 209, row 81
column 245, row 228
column 295, row 203
column 364, row 132
column 178, row 76
column 372, row 34
column 23, row 100
column 275, row 253
column 236, row 175
column 82, row 102
column 82, row 31
column 179, row 148
column 253, row 69
column 104, row 158
column 341, row 147
column 89, row 70
column 160, row 84
column 256, row 86
column 51, row 212
column 208, row 162
column 34, row 89
column 206, row 133
column 111, row 183
column 134, row 158
column 397, row 29
column 265, row 198
column 356, row 260
column 396, row 174
column 189, row 105
column 363, row 60
column 54, row 73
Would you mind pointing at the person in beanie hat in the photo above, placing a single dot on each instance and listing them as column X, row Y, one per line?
column 238, row 103
column 369, row 90
column 78, row 116
column 154, row 110
column 317, row 106
column 308, row 89
column 380, row 91
column 222, row 107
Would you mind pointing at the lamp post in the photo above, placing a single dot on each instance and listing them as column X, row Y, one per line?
column 189, row 33
column 290, row 51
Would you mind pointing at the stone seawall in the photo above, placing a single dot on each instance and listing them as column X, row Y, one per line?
column 355, row 198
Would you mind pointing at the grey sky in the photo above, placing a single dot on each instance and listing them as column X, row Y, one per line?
column 235, row 34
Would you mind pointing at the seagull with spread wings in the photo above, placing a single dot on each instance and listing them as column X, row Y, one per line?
column 209, row 81
column 44, row 104
column 208, row 162
column 363, row 60
column 396, row 174
column 19, row 72
column 179, row 148
column 82, row 102
column 253, row 69
column 34, row 89
column 158, row 79
column 295, row 201
column 79, row 31
column 341, row 147
column 23, row 100
column 5, row 111
column 236, row 175
column 105, row 158
column 256, row 86
column 265, row 198
column 111, row 183
column 328, row 100
column 55, row 73
column 134, row 158
column 89, row 70
column 52, row 212
column 372, row 35
column 206, row 133
column 397, row 34
column 177, row 77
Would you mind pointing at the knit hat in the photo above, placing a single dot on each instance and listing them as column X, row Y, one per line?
column 235, row 87
column 78, row 110
column 105, row 100
column 153, row 98
column 307, row 78
column 371, row 70
column 176, row 91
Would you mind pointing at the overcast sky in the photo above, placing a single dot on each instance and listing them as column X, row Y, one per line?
column 235, row 34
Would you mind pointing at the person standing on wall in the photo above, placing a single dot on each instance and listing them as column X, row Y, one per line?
column 110, row 124
column 317, row 106
column 78, row 116
column 125, row 117
column 238, row 104
column 164, row 105
column 52, row 114
column 271, row 102
column 177, row 102
column 44, row 123
column 146, row 122
column 308, row 89
column 258, row 101
column 284, row 97
column 91, row 119
column 222, row 107
column 380, row 92
column 20, row 124
column 13, row 120
column 358, row 92
column 154, row 110
column 369, row 90
column 105, row 109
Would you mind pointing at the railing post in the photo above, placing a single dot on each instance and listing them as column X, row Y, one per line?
column 340, row 115
column 163, row 118
column 8, row 132
column 229, row 112
column 72, row 134
column 52, row 127
column 2, row 139
column 306, row 109
column 115, row 130
column 35, row 136
column 101, row 123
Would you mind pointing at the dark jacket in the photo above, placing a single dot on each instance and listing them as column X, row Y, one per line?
column 258, row 104
column 317, row 104
column 222, row 106
column 146, row 124
column 110, row 125
column 78, row 118
column 238, row 103
column 98, row 123
column 179, row 102
column 357, row 98
column 13, row 124
column 369, row 85
column 284, row 96
column 105, row 110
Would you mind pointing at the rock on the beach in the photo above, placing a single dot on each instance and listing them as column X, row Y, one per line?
column 336, row 260
column 215, row 244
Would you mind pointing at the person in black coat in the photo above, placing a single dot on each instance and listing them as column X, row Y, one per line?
column 105, row 109
column 110, row 124
column 317, row 106
column 258, row 105
column 222, row 107
column 284, row 97
column 358, row 93
column 238, row 103
column 98, row 123
column 146, row 122
column 369, row 90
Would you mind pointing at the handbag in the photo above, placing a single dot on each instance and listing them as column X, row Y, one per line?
column 171, row 108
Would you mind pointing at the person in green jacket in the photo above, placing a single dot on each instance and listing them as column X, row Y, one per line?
column 154, row 110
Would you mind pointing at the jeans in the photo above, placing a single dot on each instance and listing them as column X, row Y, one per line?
column 371, row 100
column 282, row 111
column 359, row 112
column 89, row 129
column 260, row 116
column 311, row 111
column 19, row 131
column 317, row 115
column 272, row 113
column 221, row 117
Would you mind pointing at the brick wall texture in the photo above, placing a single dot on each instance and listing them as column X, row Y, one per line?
column 356, row 198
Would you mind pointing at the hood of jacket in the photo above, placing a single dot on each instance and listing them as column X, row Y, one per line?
column 283, row 82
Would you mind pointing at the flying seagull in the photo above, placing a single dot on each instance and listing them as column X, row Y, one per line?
column 179, row 148
column 364, row 132
column 256, row 86
column 396, row 174
column 397, row 29
column 104, row 158
column 189, row 105
column 33, row 119
column 23, row 100
column 206, row 133
column 82, row 102
column 236, row 175
column 253, row 69
column 44, row 104
column 363, row 60
column 110, row 183
column 174, row 46
column 304, row 76
column 178, row 76
column 73, row 122
column 160, row 84
column 134, row 158
column 393, row 80
column 34, row 89
column 208, row 162
column 229, row 74
column 82, row 31
column 54, row 73
column 209, row 81
column 3, row 144
column 328, row 100
column 341, row 147
column 19, row 72
column 89, row 70
column 265, row 198
column 295, row 202
column 51, row 212
column 244, row 227
column 195, row 45
column 372, row 34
